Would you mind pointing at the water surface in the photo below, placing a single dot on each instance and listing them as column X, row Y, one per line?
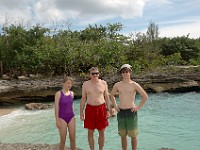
column 167, row 120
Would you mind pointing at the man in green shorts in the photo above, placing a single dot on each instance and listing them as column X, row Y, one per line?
column 127, row 110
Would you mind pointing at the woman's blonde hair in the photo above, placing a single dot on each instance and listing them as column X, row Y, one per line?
column 66, row 78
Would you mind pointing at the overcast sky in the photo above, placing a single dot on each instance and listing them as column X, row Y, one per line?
column 174, row 17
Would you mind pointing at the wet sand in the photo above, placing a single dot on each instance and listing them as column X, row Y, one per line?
column 6, row 110
column 25, row 146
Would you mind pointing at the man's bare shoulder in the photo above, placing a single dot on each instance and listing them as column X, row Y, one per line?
column 103, row 81
column 135, row 84
column 118, row 84
column 86, row 83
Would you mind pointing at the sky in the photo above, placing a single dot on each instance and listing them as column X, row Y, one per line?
column 175, row 18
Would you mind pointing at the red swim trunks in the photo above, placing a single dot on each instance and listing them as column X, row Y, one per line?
column 95, row 117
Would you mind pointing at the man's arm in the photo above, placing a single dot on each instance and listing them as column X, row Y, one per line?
column 82, row 102
column 112, row 96
column 106, row 96
column 144, row 95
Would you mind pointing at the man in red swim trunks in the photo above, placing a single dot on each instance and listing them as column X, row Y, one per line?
column 95, row 116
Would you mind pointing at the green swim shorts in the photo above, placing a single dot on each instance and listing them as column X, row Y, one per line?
column 127, row 123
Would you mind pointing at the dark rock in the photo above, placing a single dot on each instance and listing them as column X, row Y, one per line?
column 37, row 106
column 172, row 86
column 38, row 90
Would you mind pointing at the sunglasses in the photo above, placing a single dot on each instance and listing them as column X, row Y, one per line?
column 95, row 73
column 123, row 72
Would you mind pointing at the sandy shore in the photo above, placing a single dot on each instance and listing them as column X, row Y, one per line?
column 6, row 110
column 25, row 146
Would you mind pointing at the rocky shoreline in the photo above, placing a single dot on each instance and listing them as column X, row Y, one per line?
column 26, row 90
column 27, row 146
column 39, row 90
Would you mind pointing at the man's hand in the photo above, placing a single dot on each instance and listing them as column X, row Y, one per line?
column 134, row 109
column 117, row 109
column 108, row 114
column 82, row 117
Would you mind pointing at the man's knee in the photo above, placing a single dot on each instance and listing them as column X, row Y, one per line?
column 134, row 139
column 101, row 132
column 90, row 132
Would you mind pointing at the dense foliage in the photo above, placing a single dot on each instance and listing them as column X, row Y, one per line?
column 41, row 50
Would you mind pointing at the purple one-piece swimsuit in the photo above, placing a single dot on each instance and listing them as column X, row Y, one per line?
column 65, row 107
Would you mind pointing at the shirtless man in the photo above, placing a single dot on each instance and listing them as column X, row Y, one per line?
column 127, row 110
column 95, row 116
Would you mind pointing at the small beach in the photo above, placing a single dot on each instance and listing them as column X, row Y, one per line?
column 6, row 110
column 25, row 146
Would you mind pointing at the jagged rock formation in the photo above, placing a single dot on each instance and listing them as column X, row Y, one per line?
column 27, row 146
column 37, row 106
column 25, row 90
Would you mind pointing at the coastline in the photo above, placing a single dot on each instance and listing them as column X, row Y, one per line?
column 149, row 109
column 6, row 110
column 172, row 79
column 25, row 146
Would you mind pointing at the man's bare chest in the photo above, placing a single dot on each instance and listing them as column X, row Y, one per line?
column 96, row 88
column 126, row 89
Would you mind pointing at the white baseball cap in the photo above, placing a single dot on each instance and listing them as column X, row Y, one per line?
column 126, row 66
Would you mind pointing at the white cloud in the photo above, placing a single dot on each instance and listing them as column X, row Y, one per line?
column 135, row 14
column 13, row 12
column 159, row 2
column 44, row 11
column 176, row 28
column 191, row 28
column 12, row 4
column 84, row 8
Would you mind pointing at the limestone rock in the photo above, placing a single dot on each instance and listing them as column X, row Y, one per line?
column 37, row 106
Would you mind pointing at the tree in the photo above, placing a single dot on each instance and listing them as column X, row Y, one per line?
column 41, row 50
column 1, row 56
column 188, row 48
column 152, row 31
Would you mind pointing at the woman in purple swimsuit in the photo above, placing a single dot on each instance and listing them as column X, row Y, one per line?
column 64, row 114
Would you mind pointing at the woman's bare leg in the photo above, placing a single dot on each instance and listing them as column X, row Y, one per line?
column 72, row 133
column 63, row 134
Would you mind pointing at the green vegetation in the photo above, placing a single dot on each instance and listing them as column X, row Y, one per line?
column 53, row 52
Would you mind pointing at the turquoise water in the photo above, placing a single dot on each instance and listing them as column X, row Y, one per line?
column 167, row 120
